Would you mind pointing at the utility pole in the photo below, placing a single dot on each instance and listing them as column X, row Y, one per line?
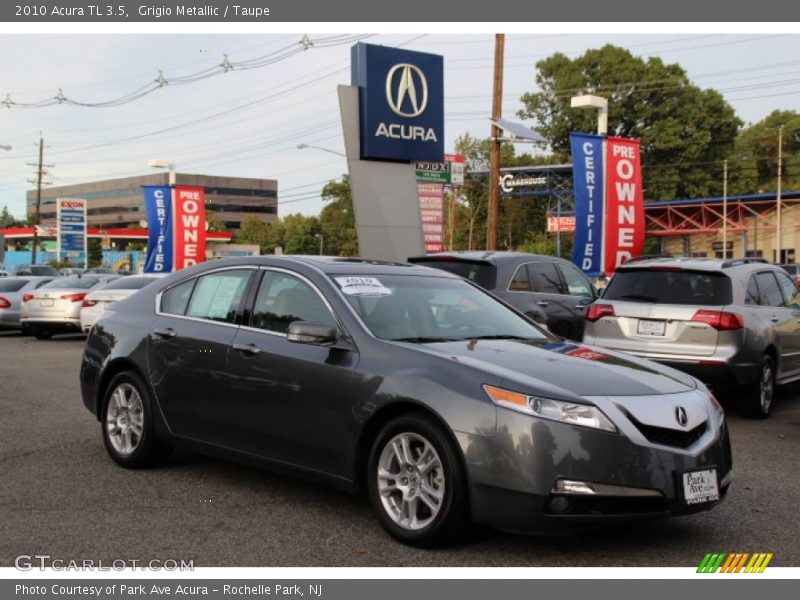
column 494, row 153
column 40, row 173
column 725, row 208
column 778, row 207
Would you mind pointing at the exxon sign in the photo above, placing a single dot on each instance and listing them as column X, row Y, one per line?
column 401, row 103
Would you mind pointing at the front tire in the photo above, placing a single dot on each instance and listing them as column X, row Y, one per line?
column 128, row 424
column 757, row 400
column 416, row 482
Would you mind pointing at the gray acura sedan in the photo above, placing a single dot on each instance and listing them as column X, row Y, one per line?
column 447, row 406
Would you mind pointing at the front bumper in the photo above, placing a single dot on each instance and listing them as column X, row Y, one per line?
column 513, row 474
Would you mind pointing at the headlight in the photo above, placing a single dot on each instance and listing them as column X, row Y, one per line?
column 717, row 407
column 583, row 415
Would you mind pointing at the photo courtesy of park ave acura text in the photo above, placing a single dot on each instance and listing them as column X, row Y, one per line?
column 297, row 299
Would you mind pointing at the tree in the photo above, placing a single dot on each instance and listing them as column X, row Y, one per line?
column 682, row 128
column 337, row 220
column 8, row 220
column 267, row 236
column 94, row 249
column 754, row 165
column 300, row 234
column 215, row 222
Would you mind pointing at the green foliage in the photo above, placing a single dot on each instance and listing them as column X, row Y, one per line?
column 682, row 128
column 753, row 167
column 95, row 250
column 8, row 220
column 215, row 222
column 267, row 236
column 337, row 220
column 300, row 234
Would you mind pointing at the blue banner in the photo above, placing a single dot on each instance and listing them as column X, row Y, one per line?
column 401, row 100
column 158, row 205
column 587, row 175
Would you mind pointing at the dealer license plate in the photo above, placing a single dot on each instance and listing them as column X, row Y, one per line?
column 700, row 486
column 647, row 327
column 46, row 303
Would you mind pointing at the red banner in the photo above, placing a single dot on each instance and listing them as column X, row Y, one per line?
column 624, row 206
column 431, row 205
column 190, row 226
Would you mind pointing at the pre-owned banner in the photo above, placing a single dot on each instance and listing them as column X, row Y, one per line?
column 624, row 214
column 190, row 226
column 158, row 206
column 587, row 174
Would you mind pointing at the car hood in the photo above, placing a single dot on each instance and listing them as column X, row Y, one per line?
column 564, row 368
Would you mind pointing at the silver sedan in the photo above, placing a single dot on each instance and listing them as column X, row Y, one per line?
column 56, row 306
column 12, row 289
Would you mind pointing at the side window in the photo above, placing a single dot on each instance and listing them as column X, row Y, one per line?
column 788, row 289
column 770, row 292
column 41, row 283
column 283, row 299
column 175, row 300
column 752, row 295
column 544, row 278
column 217, row 296
column 576, row 281
column 520, row 282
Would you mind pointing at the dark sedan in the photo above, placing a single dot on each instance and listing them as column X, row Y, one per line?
column 444, row 404
column 547, row 289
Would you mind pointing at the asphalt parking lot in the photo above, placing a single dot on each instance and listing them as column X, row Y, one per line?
column 61, row 495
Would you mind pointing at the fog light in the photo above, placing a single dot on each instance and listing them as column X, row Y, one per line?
column 558, row 505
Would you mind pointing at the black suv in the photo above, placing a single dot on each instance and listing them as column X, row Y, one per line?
column 547, row 289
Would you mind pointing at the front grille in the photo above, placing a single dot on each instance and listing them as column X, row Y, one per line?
column 671, row 437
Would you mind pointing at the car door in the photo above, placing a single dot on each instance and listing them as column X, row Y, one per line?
column 549, row 295
column 195, row 324
column 290, row 401
column 581, row 291
column 782, row 320
column 791, row 299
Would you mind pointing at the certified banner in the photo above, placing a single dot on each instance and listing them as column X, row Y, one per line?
column 624, row 214
column 158, row 206
column 190, row 226
column 587, row 174
column 71, row 230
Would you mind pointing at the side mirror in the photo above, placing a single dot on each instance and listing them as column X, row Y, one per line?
column 304, row 332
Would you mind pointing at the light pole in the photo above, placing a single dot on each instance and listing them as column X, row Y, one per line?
column 778, row 199
column 321, row 239
column 304, row 146
column 164, row 164
column 597, row 102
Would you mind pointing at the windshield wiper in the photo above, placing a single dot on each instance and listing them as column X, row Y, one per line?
column 641, row 297
column 500, row 337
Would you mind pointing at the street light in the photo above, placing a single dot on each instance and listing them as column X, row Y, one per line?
column 598, row 102
column 164, row 164
column 321, row 240
column 304, row 146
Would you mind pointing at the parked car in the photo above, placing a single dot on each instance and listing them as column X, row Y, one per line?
column 56, row 306
column 100, row 271
column 67, row 271
column 419, row 386
column 733, row 323
column 545, row 288
column 96, row 301
column 12, row 289
column 794, row 271
column 34, row 270
column 3, row 272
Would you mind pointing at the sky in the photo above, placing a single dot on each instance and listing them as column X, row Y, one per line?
column 248, row 122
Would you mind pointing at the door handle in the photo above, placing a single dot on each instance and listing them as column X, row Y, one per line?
column 169, row 332
column 543, row 303
column 581, row 306
column 249, row 349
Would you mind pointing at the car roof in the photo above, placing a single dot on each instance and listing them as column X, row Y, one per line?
column 697, row 264
column 336, row 265
column 487, row 256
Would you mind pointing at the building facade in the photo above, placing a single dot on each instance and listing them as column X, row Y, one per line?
column 119, row 203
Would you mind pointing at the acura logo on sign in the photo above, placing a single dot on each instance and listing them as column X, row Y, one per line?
column 681, row 417
column 401, row 85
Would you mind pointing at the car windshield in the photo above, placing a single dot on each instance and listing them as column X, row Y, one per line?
column 669, row 286
column 424, row 309
column 130, row 283
column 72, row 283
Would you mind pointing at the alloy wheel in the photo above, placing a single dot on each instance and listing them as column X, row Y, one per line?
column 125, row 419
column 766, row 388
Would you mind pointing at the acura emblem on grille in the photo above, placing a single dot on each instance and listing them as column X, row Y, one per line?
column 681, row 417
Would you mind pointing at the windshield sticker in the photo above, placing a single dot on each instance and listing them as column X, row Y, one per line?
column 362, row 286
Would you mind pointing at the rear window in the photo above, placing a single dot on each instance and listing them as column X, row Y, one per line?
column 484, row 274
column 130, row 283
column 12, row 285
column 72, row 283
column 670, row 287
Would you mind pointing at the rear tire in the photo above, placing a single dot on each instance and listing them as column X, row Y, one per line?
column 416, row 483
column 128, row 422
column 756, row 402
column 42, row 334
